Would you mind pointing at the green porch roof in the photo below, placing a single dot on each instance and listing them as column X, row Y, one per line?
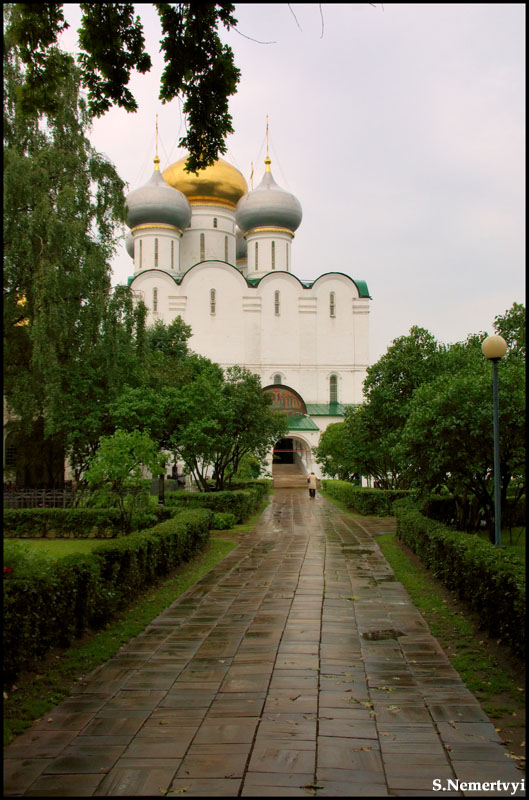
column 301, row 422
column 325, row 409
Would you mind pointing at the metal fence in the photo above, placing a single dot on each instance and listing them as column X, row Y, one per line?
column 39, row 498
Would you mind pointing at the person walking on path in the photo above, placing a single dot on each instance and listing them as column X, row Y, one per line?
column 314, row 483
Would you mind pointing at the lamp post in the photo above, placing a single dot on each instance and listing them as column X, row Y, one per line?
column 494, row 347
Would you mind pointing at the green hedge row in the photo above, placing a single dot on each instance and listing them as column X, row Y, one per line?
column 444, row 509
column 75, row 523
column 242, row 503
column 375, row 502
column 490, row 580
column 47, row 603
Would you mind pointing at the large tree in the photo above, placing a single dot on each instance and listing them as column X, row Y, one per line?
column 221, row 421
column 448, row 437
column 374, row 430
column 199, row 69
column 336, row 452
column 63, row 208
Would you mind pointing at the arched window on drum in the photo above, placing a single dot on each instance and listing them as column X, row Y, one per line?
column 333, row 389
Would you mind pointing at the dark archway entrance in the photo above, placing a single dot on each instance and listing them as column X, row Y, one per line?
column 284, row 452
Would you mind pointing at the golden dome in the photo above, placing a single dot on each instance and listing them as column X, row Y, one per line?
column 220, row 184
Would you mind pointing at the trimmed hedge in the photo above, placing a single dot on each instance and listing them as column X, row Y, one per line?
column 489, row 579
column 444, row 509
column 223, row 521
column 47, row 603
column 242, row 503
column 374, row 502
column 74, row 523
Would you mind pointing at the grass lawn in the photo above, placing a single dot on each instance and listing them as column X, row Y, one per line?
column 58, row 548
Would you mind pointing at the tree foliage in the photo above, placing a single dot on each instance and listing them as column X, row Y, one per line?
column 427, row 420
column 117, row 471
column 220, row 421
column 335, row 452
column 67, row 340
column 199, row 69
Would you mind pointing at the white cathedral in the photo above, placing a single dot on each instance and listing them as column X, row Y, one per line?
column 221, row 257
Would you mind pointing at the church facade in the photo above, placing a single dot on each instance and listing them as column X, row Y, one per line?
column 222, row 257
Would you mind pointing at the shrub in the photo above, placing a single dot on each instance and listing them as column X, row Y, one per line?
column 489, row 579
column 223, row 521
column 242, row 503
column 47, row 603
column 75, row 523
column 441, row 508
column 375, row 502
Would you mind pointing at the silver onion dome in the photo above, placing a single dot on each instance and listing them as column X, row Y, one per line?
column 158, row 203
column 129, row 244
column 241, row 245
column 268, row 205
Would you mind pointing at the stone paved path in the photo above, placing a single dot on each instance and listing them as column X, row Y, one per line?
column 297, row 666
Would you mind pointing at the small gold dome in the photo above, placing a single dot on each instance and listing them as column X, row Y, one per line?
column 219, row 184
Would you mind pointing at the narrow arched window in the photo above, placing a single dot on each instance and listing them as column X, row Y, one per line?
column 332, row 304
column 277, row 378
column 202, row 247
column 214, row 222
column 276, row 303
column 257, row 255
column 156, row 252
column 141, row 253
column 212, row 301
column 155, row 299
column 273, row 255
column 333, row 389
column 172, row 254
column 225, row 248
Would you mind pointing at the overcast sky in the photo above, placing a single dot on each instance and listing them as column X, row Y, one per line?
column 400, row 129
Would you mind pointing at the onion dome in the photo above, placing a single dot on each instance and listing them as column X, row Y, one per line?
column 241, row 245
column 129, row 244
column 220, row 184
column 158, row 203
column 268, row 205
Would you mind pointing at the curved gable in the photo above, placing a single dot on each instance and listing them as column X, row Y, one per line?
column 284, row 398
column 361, row 286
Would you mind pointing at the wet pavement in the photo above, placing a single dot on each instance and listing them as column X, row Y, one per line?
column 297, row 666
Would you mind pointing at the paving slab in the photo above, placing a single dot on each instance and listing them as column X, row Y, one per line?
column 297, row 666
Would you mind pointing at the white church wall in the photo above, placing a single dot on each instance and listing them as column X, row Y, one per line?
column 219, row 335
column 158, row 290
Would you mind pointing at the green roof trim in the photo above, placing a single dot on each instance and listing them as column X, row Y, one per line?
column 327, row 409
column 363, row 291
column 301, row 422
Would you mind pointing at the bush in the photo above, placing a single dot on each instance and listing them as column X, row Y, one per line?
column 75, row 523
column 374, row 502
column 47, row 603
column 441, row 508
column 242, row 503
column 223, row 521
column 489, row 579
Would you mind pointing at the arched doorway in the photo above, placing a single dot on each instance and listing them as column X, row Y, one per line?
column 291, row 464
